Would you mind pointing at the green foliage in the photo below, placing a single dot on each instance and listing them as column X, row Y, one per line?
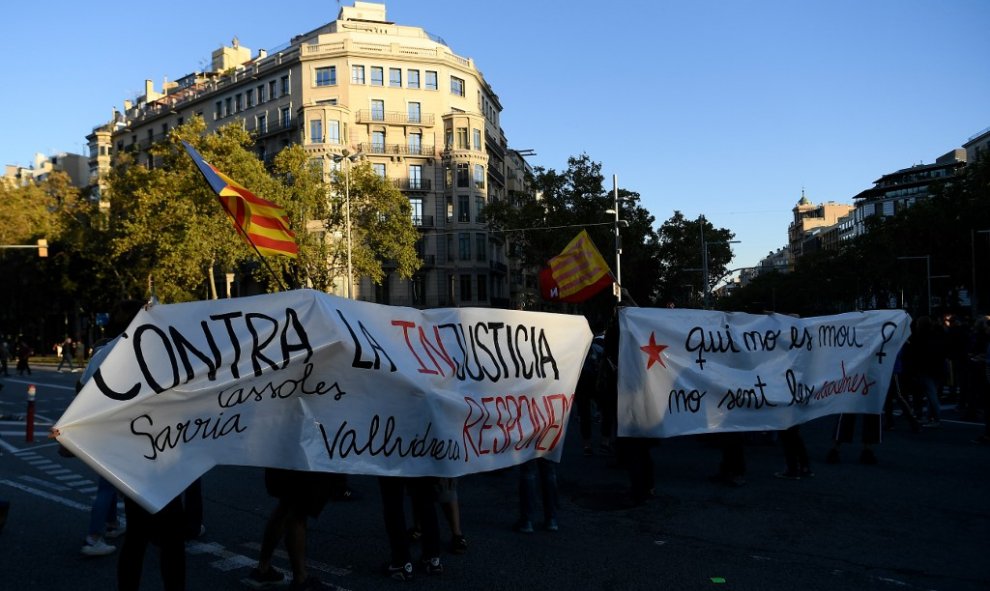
column 680, row 252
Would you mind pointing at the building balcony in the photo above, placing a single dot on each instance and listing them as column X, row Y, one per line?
column 397, row 150
column 394, row 118
column 423, row 222
column 413, row 184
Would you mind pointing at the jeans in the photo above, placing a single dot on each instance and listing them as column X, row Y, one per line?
column 931, row 392
column 104, row 509
column 528, row 472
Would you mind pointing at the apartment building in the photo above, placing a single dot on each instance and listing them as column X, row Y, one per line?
column 811, row 220
column 74, row 165
column 898, row 190
column 420, row 114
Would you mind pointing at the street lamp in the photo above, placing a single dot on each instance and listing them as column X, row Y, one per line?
column 350, row 159
column 928, row 276
column 618, row 239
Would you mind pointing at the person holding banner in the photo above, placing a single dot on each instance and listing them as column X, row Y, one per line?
column 422, row 491
column 300, row 495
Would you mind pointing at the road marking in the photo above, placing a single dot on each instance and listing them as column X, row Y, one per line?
column 314, row 564
column 45, row 495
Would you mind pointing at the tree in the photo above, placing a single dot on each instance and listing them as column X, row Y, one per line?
column 539, row 225
column 680, row 253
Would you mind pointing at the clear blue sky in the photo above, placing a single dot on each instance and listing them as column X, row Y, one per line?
column 724, row 108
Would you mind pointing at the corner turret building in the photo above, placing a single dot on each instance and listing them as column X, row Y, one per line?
column 422, row 115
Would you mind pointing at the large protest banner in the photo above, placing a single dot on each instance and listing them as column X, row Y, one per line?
column 309, row 381
column 691, row 371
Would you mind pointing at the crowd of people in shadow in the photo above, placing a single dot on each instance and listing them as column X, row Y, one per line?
column 944, row 361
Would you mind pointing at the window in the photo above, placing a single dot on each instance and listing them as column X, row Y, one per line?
column 480, row 244
column 450, row 209
column 479, row 176
column 378, row 142
column 476, row 139
column 379, row 169
column 285, row 117
column 285, row 86
column 416, row 205
column 377, row 110
column 456, row 86
column 462, row 138
column 464, row 246
column 237, row 103
column 377, row 76
column 262, row 124
column 333, row 131
column 326, row 76
column 357, row 74
column 415, row 143
column 465, row 288
column 217, row 110
column 482, row 288
column 226, row 106
column 412, row 78
column 395, row 77
column 415, row 176
column 271, row 90
column 448, row 138
column 431, row 80
column 249, row 97
column 261, row 93
column 462, row 176
column 479, row 209
column 463, row 209
column 316, row 131
column 414, row 113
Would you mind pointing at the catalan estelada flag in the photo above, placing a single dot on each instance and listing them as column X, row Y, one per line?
column 576, row 274
column 261, row 223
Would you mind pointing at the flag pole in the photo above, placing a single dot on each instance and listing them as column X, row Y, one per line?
column 261, row 258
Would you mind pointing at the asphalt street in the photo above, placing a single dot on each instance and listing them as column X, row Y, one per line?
column 918, row 520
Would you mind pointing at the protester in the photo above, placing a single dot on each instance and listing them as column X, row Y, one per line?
column 446, row 498
column 845, row 427
column 65, row 351
column 4, row 357
column 422, row 492
column 795, row 455
column 528, row 473
column 300, row 495
column 24, row 353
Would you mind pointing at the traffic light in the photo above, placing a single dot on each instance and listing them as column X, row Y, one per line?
column 42, row 248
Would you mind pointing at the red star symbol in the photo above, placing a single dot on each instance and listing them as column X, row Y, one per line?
column 653, row 350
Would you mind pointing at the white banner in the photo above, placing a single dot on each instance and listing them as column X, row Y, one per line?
column 308, row 381
column 691, row 371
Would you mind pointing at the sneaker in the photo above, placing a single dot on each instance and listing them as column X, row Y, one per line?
column 788, row 475
column 867, row 457
column 806, row 473
column 587, row 451
column 605, row 447
column 264, row 580
column 114, row 531
column 311, row 582
column 196, row 533
column 458, row 545
column 97, row 548
column 523, row 526
column 551, row 525
column 832, row 457
column 432, row 566
column 400, row 573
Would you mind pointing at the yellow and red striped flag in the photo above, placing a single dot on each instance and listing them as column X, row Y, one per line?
column 577, row 273
column 261, row 223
